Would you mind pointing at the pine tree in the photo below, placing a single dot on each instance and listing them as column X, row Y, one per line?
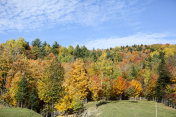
column 164, row 78
column 133, row 72
column 77, row 52
column 93, row 55
column 33, row 100
column 22, row 93
column 84, row 52
column 36, row 43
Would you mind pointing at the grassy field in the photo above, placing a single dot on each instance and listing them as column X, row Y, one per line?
column 17, row 112
column 129, row 109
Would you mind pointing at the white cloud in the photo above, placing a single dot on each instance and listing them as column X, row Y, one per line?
column 33, row 14
column 139, row 38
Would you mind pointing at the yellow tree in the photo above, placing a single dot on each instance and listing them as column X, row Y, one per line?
column 94, row 81
column 120, row 86
column 137, row 86
column 150, row 88
column 105, row 67
column 76, row 86
column 95, row 87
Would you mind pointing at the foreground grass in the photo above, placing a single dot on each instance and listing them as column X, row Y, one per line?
column 17, row 112
column 129, row 109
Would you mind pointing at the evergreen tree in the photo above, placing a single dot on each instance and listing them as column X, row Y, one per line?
column 36, row 43
column 84, row 52
column 133, row 72
column 33, row 100
column 164, row 78
column 43, row 52
column 93, row 55
column 55, row 47
column 109, row 55
column 22, row 92
column 77, row 52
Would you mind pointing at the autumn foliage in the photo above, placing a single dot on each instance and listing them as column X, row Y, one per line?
column 120, row 85
column 63, row 79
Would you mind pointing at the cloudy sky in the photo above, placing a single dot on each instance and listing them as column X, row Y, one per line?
column 94, row 23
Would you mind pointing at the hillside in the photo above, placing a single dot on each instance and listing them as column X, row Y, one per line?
column 40, row 75
column 17, row 112
column 129, row 109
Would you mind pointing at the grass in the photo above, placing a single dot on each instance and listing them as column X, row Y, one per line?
column 129, row 109
column 17, row 112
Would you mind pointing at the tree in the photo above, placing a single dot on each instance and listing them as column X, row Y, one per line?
column 130, row 92
column 36, row 52
column 64, row 104
column 78, row 80
column 150, row 88
column 93, row 55
column 55, row 48
column 133, row 72
column 137, row 86
column 56, row 45
column 76, row 86
column 95, row 86
column 33, row 100
column 84, row 52
column 164, row 78
column 43, row 49
column 22, row 44
column 36, row 43
column 77, row 52
column 22, row 92
column 120, row 86
column 50, row 86
column 105, row 67
column 70, row 50
column 64, row 55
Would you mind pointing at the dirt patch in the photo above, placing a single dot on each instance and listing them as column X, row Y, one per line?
column 93, row 111
column 2, row 106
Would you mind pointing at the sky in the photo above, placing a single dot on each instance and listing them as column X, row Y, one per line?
column 93, row 23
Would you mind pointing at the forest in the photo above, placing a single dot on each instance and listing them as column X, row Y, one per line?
column 48, row 78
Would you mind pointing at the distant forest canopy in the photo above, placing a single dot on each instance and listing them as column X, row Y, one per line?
column 44, row 77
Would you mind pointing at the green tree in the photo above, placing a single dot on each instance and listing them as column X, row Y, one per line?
column 70, row 50
column 84, row 52
column 55, row 48
column 130, row 92
column 22, row 92
column 77, row 52
column 93, row 55
column 50, row 86
column 56, row 45
column 36, row 52
column 133, row 72
column 164, row 77
column 36, row 43
column 33, row 100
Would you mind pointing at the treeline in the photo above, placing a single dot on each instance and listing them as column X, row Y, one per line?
column 46, row 77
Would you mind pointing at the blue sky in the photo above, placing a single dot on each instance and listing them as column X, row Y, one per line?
column 94, row 23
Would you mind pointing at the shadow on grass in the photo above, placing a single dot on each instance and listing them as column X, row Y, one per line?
column 133, row 101
column 101, row 103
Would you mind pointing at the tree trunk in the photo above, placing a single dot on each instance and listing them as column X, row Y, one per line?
column 18, row 104
column 120, row 97
column 52, row 113
column 21, row 104
column 66, row 114
column 101, row 85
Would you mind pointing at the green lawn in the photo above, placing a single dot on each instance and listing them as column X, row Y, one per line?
column 129, row 109
column 17, row 112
